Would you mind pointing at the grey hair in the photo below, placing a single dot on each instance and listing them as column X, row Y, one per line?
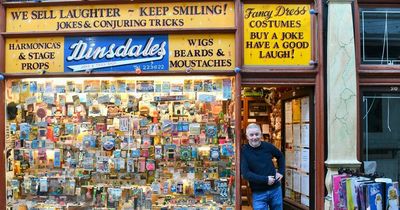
column 252, row 125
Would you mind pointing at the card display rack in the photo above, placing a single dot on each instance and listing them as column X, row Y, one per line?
column 120, row 142
column 297, row 150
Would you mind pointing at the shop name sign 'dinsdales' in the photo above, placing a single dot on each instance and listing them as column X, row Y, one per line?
column 121, row 53
column 84, row 53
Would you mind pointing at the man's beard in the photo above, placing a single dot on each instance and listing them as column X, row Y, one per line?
column 255, row 144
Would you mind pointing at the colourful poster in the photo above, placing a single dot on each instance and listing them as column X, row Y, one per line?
column 374, row 196
column 392, row 196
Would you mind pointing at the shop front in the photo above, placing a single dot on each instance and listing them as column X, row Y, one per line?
column 144, row 105
column 95, row 119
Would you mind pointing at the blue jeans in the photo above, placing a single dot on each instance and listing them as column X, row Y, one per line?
column 270, row 199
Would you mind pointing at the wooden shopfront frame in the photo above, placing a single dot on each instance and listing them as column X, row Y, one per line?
column 373, row 78
column 376, row 77
column 309, row 76
column 2, row 113
column 312, row 75
column 212, row 30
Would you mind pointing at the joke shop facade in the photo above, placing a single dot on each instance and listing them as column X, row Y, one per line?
column 143, row 105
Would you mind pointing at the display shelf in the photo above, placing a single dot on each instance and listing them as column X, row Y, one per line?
column 254, row 110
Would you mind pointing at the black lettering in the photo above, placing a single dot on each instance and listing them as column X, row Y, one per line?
column 297, row 45
column 42, row 14
column 281, row 11
column 143, row 11
column 292, row 35
column 153, row 11
column 180, row 22
column 90, row 13
column 259, row 35
column 200, row 63
column 166, row 22
column 41, row 55
column 194, row 53
column 69, row 25
column 201, row 42
column 275, row 54
column 198, row 10
column 35, row 66
column 17, row 15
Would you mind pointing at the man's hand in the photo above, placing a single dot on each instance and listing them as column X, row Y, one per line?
column 271, row 180
column 278, row 176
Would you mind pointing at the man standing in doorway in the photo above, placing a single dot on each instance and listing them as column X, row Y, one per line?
column 257, row 167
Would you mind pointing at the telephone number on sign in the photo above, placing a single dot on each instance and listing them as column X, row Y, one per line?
column 153, row 67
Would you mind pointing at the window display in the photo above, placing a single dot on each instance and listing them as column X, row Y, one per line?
column 141, row 142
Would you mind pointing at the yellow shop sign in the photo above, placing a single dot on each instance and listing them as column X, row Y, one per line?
column 202, row 52
column 28, row 55
column 120, row 53
column 277, row 34
column 182, row 15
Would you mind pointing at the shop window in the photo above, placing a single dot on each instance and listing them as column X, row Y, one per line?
column 382, row 143
column 379, row 35
column 120, row 143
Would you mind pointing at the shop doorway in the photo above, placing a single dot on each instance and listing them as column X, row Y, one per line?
column 285, row 115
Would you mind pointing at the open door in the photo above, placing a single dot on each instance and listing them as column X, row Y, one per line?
column 285, row 115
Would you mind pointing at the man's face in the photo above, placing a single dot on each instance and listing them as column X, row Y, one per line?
column 254, row 137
